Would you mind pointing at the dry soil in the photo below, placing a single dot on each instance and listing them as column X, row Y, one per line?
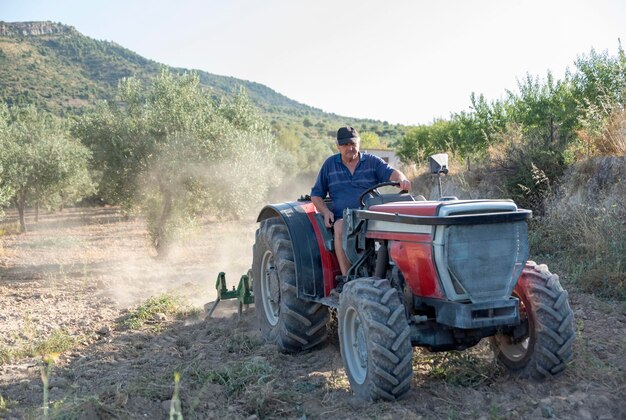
column 79, row 274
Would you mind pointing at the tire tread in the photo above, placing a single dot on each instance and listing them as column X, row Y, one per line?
column 301, row 323
column 554, row 326
column 390, row 352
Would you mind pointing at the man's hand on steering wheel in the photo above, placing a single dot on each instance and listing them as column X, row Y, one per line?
column 405, row 185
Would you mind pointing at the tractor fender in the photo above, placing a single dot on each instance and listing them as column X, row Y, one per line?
column 308, row 247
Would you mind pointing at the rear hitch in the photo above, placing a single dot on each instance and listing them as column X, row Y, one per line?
column 243, row 293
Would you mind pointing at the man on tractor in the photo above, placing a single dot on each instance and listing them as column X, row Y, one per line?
column 441, row 274
column 344, row 177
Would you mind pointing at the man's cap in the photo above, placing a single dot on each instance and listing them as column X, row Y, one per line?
column 347, row 135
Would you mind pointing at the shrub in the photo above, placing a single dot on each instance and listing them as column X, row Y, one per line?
column 589, row 243
column 528, row 167
column 604, row 133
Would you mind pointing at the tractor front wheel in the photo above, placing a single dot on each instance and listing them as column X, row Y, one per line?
column 374, row 340
column 292, row 323
column 546, row 347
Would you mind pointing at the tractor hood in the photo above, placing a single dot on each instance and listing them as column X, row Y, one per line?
column 446, row 207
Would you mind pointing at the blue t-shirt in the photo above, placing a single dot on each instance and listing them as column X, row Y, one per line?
column 345, row 188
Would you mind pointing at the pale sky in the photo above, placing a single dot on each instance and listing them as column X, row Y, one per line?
column 403, row 61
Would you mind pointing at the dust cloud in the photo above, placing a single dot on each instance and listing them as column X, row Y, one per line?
column 108, row 256
column 292, row 188
column 99, row 249
column 191, row 267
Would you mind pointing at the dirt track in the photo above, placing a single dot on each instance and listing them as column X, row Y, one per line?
column 77, row 273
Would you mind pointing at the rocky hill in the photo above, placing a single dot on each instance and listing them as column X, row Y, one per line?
column 32, row 28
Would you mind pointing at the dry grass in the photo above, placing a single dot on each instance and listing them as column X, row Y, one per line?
column 9, row 229
column 589, row 243
column 156, row 309
column 613, row 140
column 464, row 180
column 605, row 138
column 237, row 377
column 59, row 341
column 467, row 368
column 14, row 48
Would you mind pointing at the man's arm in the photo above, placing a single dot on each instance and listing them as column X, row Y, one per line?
column 329, row 217
column 383, row 169
column 398, row 176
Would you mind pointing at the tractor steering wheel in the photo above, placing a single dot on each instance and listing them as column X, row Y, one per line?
column 373, row 190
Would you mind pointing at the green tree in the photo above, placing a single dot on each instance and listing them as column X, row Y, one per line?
column 370, row 140
column 175, row 153
column 600, row 92
column 6, row 191
column 544, row 108
column 424, row 140
column 546, row 111
column 39, row 159
column 601, row 78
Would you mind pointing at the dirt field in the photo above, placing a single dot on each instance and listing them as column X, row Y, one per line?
column 74, row 281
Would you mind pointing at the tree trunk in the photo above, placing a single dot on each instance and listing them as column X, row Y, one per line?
column 37, row 211
column 20, row 203
column 161, row 242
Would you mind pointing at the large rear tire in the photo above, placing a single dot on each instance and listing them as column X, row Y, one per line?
column 291, row 323
column 374, row 340
column 547, row 347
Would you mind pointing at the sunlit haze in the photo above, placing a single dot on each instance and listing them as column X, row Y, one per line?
column 401, row 61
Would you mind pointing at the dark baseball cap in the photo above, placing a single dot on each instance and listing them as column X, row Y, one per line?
column 347, row 135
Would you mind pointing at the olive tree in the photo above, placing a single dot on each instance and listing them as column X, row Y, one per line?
column 39, row 159
column 174, row 152
column 6, row 191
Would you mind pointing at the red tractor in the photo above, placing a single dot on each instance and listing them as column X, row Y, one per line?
column 439, row 274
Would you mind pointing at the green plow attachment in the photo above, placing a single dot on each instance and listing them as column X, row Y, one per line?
column 243, row 292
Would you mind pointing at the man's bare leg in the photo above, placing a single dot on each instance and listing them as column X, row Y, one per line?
column 344, row 263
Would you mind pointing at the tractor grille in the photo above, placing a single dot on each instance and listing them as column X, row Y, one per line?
column 484, row 261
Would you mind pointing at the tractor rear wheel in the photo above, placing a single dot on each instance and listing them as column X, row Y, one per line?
column 547, row 346
column 292, row 323
column 374, row 340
